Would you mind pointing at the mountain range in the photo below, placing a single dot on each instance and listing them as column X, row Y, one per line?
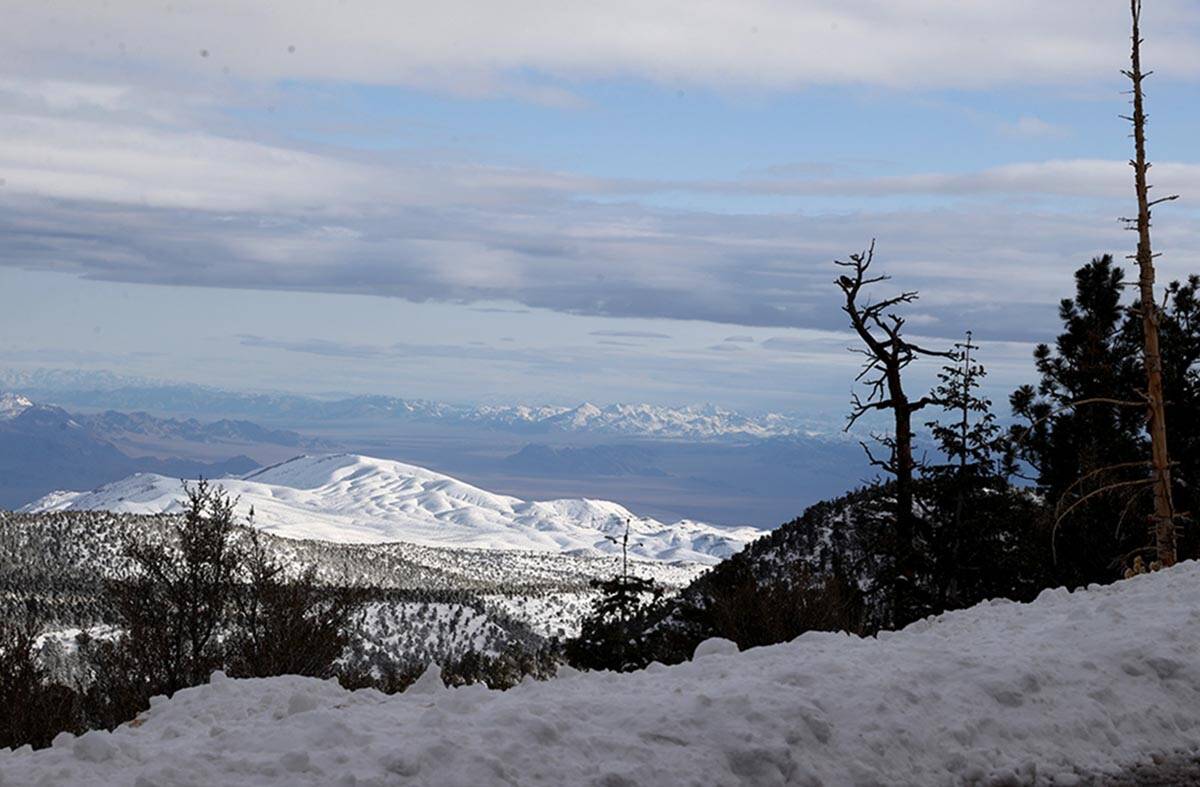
column 702, row 463
column 348, row 498
column 44, row 448
column 700, row 422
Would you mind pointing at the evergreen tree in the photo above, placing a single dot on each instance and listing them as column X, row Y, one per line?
column 984, row 536
column 1083, row 435
column 970, row 439
column 607, row 637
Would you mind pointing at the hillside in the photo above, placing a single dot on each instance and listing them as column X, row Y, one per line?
column 1059, row 691
column 355, row 499
column 54, row 564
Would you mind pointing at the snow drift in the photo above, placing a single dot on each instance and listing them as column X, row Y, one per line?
column 1073, row 684
column 359, row 499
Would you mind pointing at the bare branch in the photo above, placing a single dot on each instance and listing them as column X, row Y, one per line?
column 1102, row 490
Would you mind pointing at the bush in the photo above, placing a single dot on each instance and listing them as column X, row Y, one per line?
column 286, row 626
column 32, row 709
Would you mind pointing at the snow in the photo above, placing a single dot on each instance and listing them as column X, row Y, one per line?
column 1072, row 685
column 705, row 422
column 359, row 499
column 12, row 405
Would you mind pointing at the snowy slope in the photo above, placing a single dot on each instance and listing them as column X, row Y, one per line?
column 1065, row 688
column 357, row 499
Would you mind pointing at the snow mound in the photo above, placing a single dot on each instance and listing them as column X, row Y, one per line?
column 359, row 499
column 1069, row 686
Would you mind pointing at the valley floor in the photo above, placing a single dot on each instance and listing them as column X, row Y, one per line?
column 1074, row 688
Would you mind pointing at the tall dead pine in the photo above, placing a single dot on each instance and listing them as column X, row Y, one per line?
column 1164, row 511
column 887, row 354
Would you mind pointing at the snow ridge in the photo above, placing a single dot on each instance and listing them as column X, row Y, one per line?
column 357, row 499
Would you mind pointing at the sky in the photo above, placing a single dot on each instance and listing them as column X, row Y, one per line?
column 530, row 202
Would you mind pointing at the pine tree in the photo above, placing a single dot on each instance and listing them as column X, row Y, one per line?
column 1084, row 425
column 607, row 638
column 981, row 525
column 970, row 439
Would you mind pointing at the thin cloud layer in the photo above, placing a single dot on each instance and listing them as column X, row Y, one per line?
column 484, row 49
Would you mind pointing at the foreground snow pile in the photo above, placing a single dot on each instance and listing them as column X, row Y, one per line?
column 360, row 499
column 1001, row 693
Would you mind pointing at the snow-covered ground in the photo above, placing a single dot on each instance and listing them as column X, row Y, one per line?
column 1069, row 686
column 357, row 499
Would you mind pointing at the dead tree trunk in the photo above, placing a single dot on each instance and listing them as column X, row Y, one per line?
column 887, row 354
column 1164, row 512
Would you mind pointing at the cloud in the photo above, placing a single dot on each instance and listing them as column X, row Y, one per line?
column 632, row 334
column 116, row 160
column 123, row 182
column 626, row 260
column 1029, row 127
column 741, row 339
column 324, row 347
column 787, row 345
column 526, row 49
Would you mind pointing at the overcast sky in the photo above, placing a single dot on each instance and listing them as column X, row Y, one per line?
column 520, row 201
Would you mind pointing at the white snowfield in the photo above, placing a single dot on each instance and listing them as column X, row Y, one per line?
column 1071, row 685
column 358, row 499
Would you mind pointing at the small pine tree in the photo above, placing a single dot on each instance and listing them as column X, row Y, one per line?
column 969, row 497
column 607, row 638
column 971, row 439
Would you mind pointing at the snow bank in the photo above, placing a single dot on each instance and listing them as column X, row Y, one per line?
column 1001, row 693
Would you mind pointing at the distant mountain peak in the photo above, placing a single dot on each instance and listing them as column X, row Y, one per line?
column 12, row 405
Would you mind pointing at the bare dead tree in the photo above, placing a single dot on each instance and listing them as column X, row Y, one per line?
column 887, row 355
column 1164, row 510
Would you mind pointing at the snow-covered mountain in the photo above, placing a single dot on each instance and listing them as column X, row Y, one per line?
column 109, row 392
column 706, row 422
column 12, row 405
column 357, row 499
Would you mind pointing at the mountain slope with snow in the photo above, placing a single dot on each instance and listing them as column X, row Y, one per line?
column 693, row 422
column 357, row 499
column 1056, row 692
column 12, row 405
